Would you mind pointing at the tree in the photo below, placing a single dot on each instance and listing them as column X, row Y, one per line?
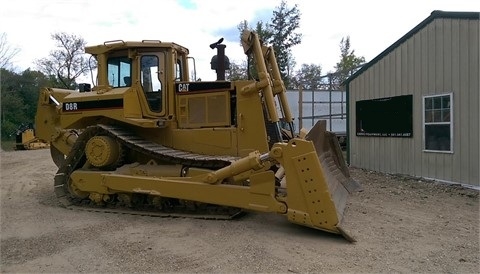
column 12, row 105
column 13, row 113
column 349, row 62
column 6, row 52
column 264, row 34
column 241, row 27
column 262, row 30
column 28, row 86
column 19, row 96
column 309, row 76
column 280, row 33
column 237, row 71
column 284, row 23
column 68, row 61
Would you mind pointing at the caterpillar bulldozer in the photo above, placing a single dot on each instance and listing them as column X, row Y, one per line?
column 148, row 140
column 25, row 138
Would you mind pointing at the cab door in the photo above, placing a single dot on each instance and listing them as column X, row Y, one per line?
column 152, row 80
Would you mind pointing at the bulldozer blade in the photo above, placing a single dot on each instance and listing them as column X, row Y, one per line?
column 335, row 171
column 318, row 181
column 331, row 157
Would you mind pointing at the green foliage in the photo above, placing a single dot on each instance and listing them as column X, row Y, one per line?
column 13, row 112
column 263, row 31
column 280, row 33
column 264, row 34
column 283, row 28
column 241, row 27
column 349, row 62
column 237, row 71
column 309, row 76
column 19, row 96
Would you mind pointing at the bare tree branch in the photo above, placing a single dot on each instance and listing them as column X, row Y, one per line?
column 6, row 52
column 68, row 61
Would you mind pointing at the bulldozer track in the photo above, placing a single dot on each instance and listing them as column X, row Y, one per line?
column 130, row 141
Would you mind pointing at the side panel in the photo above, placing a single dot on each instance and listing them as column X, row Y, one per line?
column 200, row 110
column 212, row 141
column 228, row 122
column 251, row 133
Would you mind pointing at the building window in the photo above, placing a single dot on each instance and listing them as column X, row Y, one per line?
column 438, row 128
column 385, row 117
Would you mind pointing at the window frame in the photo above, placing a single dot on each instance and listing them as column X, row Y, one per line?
column 120, row 77
column 151, row 96
column 153, row 76
column 424, row 123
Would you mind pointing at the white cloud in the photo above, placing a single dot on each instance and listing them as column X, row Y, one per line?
column 372, row 25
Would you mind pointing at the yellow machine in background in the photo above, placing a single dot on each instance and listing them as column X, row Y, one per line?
column 25, row 139
column 148, row 139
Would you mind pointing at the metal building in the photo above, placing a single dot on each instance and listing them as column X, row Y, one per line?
column 414, row 109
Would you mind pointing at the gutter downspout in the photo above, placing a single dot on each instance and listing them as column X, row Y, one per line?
column 347, row 91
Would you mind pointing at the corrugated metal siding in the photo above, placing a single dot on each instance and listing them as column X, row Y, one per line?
column 441, row 58
column 474, row 102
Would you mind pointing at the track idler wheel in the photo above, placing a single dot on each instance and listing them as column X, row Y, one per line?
column 103, row 152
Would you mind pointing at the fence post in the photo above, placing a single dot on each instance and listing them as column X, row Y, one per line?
column 300, row 108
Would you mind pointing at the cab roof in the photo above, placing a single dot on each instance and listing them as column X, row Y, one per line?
column 120, row 44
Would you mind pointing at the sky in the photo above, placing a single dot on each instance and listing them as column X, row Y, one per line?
column 372, row 25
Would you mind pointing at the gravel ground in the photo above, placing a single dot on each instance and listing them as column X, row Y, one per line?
column 401, row 225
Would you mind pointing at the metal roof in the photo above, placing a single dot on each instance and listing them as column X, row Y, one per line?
column 434, row 15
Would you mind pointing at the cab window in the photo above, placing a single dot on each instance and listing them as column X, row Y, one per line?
column 151, row 84
column 178, row 70
column 119, row 72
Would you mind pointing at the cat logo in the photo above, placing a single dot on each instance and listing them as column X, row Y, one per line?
column 182, row 87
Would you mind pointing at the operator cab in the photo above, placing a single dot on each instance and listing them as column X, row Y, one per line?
column 146, row 66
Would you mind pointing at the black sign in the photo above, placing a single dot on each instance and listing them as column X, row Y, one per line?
column 385, row 117
column 92, row 105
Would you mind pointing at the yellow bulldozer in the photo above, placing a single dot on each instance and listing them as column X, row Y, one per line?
column 148, row 140
column 25, row 138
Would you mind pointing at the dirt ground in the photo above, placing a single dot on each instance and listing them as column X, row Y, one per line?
column 401, row 225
